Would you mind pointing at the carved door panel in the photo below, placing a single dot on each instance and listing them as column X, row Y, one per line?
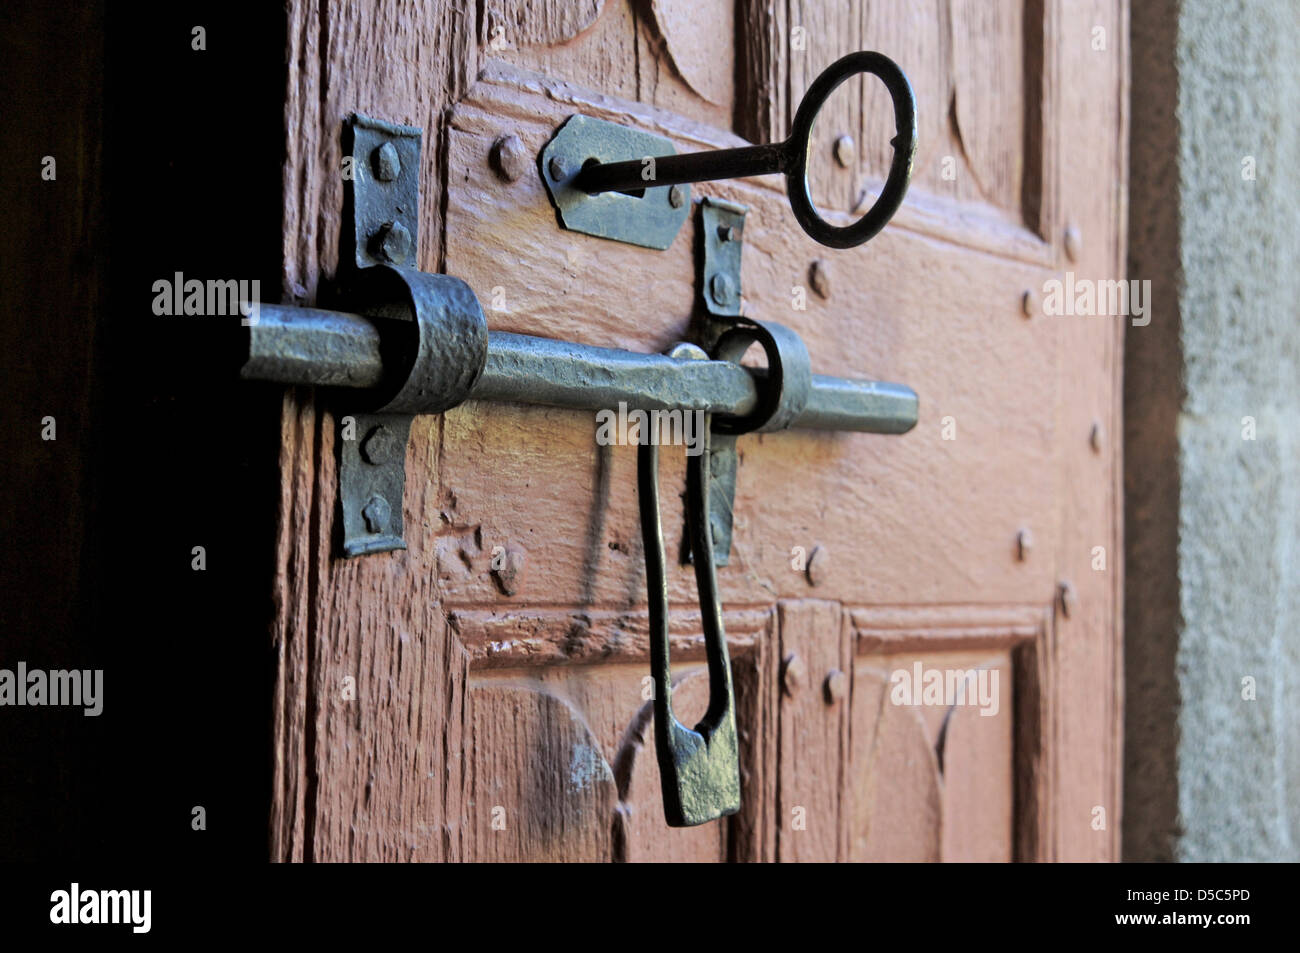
column 481, row 695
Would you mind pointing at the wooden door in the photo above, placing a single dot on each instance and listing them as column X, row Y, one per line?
column 430, row 708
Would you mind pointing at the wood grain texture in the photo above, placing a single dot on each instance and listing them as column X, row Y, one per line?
column 1088, row 641
column 378, row 774
column 756, row 828
column 698, row 40
column 665, row 53
column 539, row 782
column 975, row 70
column 814, row 732
column 895, row 808
column 978, row 763
column 947, row 781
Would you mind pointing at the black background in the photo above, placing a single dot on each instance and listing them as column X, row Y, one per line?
column 160, row 447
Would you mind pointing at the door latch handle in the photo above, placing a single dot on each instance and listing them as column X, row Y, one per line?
column 789, row 157
column 699, row 770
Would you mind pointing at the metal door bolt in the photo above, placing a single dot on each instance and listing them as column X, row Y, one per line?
column 819, row 276
column 377, row 513
column 1024, row 543
column 793, row 674
column 1069, row 599
column 509, row 158
column 393, row 242
column 844, row 151
column 836, row 687
column 386, row 164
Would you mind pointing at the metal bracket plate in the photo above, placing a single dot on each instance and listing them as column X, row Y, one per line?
column 722, row 227
column 723, row 464
column 372, row 482
column 651, row 220
column 382, row 225
column 382, row 201
column 722, row 230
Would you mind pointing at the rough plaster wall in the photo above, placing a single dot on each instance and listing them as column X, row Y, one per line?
column 1239, row 761
column 1237, row 533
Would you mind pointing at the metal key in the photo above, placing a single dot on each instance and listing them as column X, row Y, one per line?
column 789, row 157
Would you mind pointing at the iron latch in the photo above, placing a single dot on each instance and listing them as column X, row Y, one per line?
column 422, row 346
column 407, row 343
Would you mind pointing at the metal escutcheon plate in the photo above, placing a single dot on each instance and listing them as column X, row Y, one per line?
column 651, row 221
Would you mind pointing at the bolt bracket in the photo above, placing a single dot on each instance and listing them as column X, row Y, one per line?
column 372, row 481
column 722, row 231
column 721, row 240
column 434, row 333
column 431, row 328
column 381, row 225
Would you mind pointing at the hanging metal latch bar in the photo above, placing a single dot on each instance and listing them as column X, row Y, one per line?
column 699, row 770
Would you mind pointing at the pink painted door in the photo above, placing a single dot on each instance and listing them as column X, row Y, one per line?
column 503, row 714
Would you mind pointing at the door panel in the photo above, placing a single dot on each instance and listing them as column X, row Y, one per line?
column 501, row 713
